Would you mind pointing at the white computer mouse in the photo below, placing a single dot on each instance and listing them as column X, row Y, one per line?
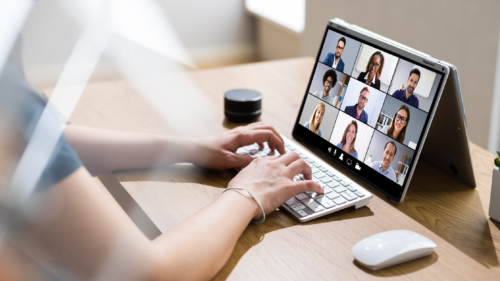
column 391, row 247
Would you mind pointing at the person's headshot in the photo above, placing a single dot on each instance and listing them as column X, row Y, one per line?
column 334, row 60
column 316, row 118
column 329, row 80
column 348, row 142
column 397, row 129
column 407, row 95
column 384, row 166
column 373, row 71
column 357, row 111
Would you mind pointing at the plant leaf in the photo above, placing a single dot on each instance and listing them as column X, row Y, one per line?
column 497, row 162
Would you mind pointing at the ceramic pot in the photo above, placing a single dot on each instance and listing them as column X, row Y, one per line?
column 495, row 195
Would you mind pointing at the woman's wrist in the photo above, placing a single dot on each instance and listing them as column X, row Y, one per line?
column 244, row 201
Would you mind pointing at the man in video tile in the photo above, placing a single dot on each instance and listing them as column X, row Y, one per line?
column 329, row 81
column 334, row 60
column 357, row 111
column 407, row 95
column 384, row 166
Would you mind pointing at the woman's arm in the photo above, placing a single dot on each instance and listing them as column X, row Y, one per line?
column 80, row 233
column 104, row 151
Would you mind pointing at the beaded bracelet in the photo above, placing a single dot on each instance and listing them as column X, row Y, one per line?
column 262, row 209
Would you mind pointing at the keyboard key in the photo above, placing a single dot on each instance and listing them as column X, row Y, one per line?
column 321, row 168
column 330, row 174
column 266, row 151
column 316, row 164
column 250, row 147
column 301, row 196
column 309, row 160
column 315, row 195
column 351, row 187
column 325, row 202
column 254, row 151
column 322, row 185
column 301, row 213
column 327, row 190
column 292, row 148
column 339, row 189
column 332, row 184
column 298, row 206
column 345, row 183
column 315, row 180
column 313, row 205
column 258, row 155
column 315, row 170
column 348, row 195
column 292, row 201
column 339, row 201
column 332, row 195
column 337, row 178
column 319, row 175
column 359, row 193
column 326, row 179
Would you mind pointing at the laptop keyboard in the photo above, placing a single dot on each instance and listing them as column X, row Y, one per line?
column 339, row 191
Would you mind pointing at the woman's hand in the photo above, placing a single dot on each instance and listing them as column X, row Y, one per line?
column 270, row 180
column 219, row 152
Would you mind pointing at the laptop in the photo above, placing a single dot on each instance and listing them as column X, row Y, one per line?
column 370, row 106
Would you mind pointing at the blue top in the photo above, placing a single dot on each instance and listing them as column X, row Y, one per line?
column 307, row 126
column 351, row 110
column 330, row 58
column 353, row 154
column 389, row 173
column 20, row 102
column 401, row 95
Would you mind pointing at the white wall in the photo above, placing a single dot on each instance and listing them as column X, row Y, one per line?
column 212, row 31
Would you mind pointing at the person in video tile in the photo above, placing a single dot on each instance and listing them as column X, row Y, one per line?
column 407, row 95
column 373, row 70
column 357, row 111
column 397, row 129
column 316, row 118
column 329, row 80
column 348, row 142
column 335, row 61
column 384, row 166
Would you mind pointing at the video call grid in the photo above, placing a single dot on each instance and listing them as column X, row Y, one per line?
column 383, row 104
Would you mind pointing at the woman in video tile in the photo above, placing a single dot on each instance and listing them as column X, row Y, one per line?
column 373, row 70
column 348, row 141
column 397, row 129
column 316, row 118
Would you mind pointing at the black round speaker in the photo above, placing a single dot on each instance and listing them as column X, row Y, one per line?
column 242, row 105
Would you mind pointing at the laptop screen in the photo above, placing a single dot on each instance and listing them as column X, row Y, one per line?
column 367, row 108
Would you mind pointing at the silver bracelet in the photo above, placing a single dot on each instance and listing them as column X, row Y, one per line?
column 262, row 209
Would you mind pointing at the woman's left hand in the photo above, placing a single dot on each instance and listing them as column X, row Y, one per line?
column 219, row 152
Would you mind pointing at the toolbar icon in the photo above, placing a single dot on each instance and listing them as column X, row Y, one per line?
column 358, row 167
column 341, row 156
column 329, row 149
column 335, row 152
column 349, row 161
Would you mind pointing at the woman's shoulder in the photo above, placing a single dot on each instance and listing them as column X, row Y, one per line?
column 306, row 125
column 361, row 76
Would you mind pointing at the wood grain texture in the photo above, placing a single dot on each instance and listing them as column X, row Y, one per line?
column 437, row 206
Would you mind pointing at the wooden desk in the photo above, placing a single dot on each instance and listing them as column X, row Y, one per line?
column 437, row 206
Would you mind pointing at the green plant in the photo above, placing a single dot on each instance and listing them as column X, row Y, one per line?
column 497, row 160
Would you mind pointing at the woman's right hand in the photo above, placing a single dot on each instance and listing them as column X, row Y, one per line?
column 270, row 180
